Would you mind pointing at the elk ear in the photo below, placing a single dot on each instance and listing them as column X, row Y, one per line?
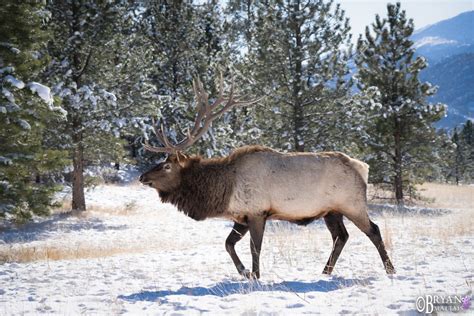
column 180, row 158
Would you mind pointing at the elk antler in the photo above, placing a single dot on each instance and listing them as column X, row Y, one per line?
column 206, row 114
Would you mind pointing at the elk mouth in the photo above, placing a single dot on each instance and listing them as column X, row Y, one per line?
column 145, row 182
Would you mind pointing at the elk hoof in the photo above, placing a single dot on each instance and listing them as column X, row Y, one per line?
column 250, row 275
column 327, row 271
column 390, row 270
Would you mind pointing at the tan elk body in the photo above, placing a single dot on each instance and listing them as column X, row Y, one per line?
column 298, row 186
column 255, row 184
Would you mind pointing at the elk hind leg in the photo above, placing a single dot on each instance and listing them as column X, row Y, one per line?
column 376, row 239
column 373, row 232
column 237, row 233
column 256, row 227
column 335, row 224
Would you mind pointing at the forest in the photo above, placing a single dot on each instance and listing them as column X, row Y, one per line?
column 364, row 140
column 82, row 81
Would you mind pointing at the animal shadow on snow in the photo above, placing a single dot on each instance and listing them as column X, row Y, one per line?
column 58, row 223
column 224, row 289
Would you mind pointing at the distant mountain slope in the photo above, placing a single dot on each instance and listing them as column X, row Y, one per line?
column 455, row 77
column 449, row 47
column 446, row 38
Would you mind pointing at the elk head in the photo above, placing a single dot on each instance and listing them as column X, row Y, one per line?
column 166, row 176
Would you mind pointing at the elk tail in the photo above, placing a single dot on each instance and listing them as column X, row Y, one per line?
column 362, row 168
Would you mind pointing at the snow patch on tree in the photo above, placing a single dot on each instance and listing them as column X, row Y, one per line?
column 42, row 91
column 14, row 82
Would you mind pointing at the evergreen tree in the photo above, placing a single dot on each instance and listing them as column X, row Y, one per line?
column 81, row 49
column 441, row 165
column 461, row 160
column 297, row 51
column 458, row 158
column 185, row 40
column 400, row 129
column 26, row 109
column 467, row 135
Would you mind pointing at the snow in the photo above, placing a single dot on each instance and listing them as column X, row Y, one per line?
column 5, row 160
column 130, row 254
column 42, row 91
column 432, row 41
column 24, row 124
column 8, row 69
column 8, row 95
column 14, row 82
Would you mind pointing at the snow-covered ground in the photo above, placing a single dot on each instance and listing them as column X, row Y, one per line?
column 132, row 254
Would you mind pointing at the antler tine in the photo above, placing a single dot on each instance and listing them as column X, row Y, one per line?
column 158, row 149
column 220, row 97
column 162, row 138
column 201, row 95
column 155, row 129
column 230, row 102
column 202, row 100
column 160, row 134
column 204, row 117
column 247, row 102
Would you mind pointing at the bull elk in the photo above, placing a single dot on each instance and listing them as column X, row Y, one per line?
column 254, row 184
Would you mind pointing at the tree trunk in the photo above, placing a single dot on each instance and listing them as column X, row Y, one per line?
column 298, row 111
column 298, row 124
column 78, row 197
column 457, row 173
column 398, row 181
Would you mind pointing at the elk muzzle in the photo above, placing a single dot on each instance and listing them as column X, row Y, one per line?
column 144, row 180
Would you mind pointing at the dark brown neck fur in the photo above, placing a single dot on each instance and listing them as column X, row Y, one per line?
column 205, row 189
column 207, row 185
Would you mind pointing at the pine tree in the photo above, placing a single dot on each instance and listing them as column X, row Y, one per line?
column 186, row 40
column 80, row 49
column 26, row 110
column 400, row 129
column 467, row 135
column 461, row 160
column 297, row 51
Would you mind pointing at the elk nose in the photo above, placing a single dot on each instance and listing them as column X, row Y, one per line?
column 141, row 178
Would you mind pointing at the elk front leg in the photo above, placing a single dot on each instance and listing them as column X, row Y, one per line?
column 339, row 234
column 256, row 227
column 237, row 233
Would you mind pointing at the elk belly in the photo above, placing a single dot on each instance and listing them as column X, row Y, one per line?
column 302, row 199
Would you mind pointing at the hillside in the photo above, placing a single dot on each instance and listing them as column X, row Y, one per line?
column 449, row 48
column 446, row 38
column 455, row 78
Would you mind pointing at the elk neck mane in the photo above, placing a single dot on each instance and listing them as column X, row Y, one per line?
column 207, row 184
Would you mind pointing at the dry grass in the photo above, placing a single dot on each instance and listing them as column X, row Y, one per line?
column 288, row 241
column 94, row 209
column 127, row 210
column 44, row 251
column 387, row 235
column 433, row 195
column 53, row 253
column 448, row 195
column 447, row 227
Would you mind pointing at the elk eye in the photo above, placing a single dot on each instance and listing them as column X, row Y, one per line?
column 167, row 167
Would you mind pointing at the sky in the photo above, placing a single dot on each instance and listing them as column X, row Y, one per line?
column 423, row 12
